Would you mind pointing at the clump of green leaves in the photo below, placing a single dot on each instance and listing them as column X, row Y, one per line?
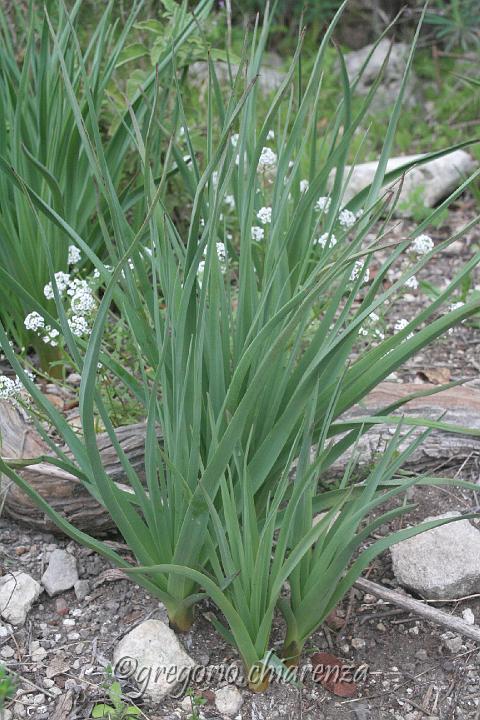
column 8, row 685
column 117, row 708
column 247, row 327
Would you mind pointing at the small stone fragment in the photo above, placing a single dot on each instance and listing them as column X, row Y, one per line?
column 468, row 616
column 228, row 700
column 61, row 573
column 81, row 588
column 18, row 592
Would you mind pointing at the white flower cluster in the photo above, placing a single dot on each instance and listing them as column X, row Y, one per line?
column 11, row 389
column 82, row 304
column 347, row 218
column 323, row 204
column 230, row 202
column 422, row 245
column 74, row 255
column 412, row 282
column 324, row 241
column 265, row 215
column 268, row 159
column 258, row 233
column 304, row 185
column 357, row 269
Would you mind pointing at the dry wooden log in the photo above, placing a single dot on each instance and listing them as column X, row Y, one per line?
column 68, row 496
column 452, row 622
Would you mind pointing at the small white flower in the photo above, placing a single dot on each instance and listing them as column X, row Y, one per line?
column 62, row 279
column 34, row 321
column 323, row 240
column 96, row 274
column 412, row 282
column 400, row 325
column 78, row 325
column 422, row 245
column 304, row 185
column 258, row 233
column 50, row 336
column 221, row 252
column 323, row 204
column 234, row 139
column 230, row 201
column 270, row 135
column 346, row 218
column 374, row 317
column 181, row 131
column 456, row 306
column 74, row 255
column 357, row 269
column 267, row 159
column 8, row 388
column 363, row 331
column 265, row 215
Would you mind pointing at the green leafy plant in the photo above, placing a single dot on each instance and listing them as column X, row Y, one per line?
column 8, row 685
column 196, row 702
column 41, row 140
column 118, row 709
column 456, row 23
column 249, row 323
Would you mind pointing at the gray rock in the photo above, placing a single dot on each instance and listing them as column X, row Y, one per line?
column 153, row 656
column 440, row 563
column 388, row 90
column 427, row 184
column 228, row 700
column 82, row 588
column 453, row 643
column 61, row 573
column 269, row 79
column 6, row 715
column 18, row 592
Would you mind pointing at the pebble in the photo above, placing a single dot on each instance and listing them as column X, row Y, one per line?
column 228, row 700
column 7, row 652
column 421, row 655
column 468, row 616
column 69, row 622
column 358, row 643
column 61, row 573
column 454, row 644
column 81, row 588
column 37, row 652
column 18, row 592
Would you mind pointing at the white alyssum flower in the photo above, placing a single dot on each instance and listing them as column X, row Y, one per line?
column 456, row 306
column 357, row 269
column 34, row 321
column 265, row 215
column 74, row 255
column 62, row 279
column 422, row 244
column 304, row 185
column 234, row 139
column 78, row 325
column 268, row 159
column 346, row 218
column 323, row 204
column 9, row 389
column 271, row 135
column 221, row 251
column 82, row 301
column 51, row 335
column 258, row 233
column 323, row 241
column 412, row 282
column 230, row 201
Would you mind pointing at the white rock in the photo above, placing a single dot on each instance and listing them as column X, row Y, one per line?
column 5, row 631
column 468, row 616
column 152, row 654
column 6, row 715
column 37, row 652
column 428, row 183
column 389, row 87
column 18, row 592
column 440, row 563
column 228, row 700
column 7, row 652
column 61, row 573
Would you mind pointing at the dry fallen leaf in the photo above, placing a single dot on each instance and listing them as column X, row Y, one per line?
column 436, row 375
column 334, row 674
